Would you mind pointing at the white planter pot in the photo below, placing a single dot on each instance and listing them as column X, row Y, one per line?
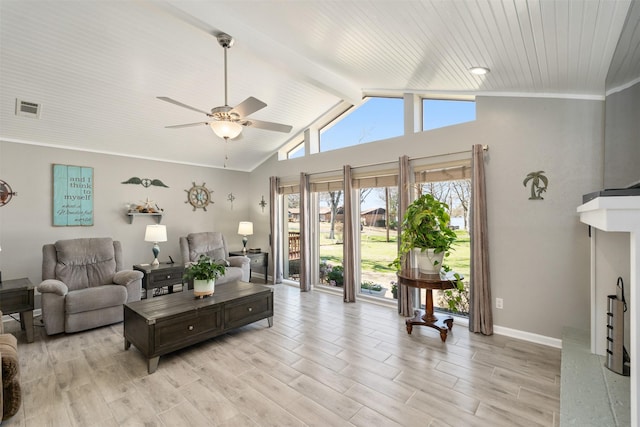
column 428, row 262
column 203, row 288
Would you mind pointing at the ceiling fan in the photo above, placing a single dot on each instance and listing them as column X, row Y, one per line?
column 226, row 121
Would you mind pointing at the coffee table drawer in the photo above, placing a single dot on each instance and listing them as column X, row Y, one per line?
column 191, row 326
column 247, row 311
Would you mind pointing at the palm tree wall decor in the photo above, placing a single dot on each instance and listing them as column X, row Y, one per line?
column 539, row 184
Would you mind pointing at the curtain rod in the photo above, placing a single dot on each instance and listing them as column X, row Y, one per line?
column 484, row 148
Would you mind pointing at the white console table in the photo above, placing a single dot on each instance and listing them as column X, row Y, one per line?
column 620, row 214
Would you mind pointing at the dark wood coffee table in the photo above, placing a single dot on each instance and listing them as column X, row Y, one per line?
column 161, row 325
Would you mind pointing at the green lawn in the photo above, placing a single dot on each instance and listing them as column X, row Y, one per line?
column 377, row 253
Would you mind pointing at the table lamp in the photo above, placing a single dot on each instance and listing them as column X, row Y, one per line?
column 245, row 228
column 155, row 233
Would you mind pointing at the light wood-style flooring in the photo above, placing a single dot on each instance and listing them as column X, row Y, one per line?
column 323, row 363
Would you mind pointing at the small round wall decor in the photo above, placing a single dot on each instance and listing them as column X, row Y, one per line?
column 6, row 193
column 199, row 196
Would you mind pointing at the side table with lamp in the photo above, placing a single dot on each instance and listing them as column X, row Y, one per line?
column 157, row 274
column 258, row 258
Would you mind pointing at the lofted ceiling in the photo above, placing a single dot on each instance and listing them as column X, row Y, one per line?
column 97, row 67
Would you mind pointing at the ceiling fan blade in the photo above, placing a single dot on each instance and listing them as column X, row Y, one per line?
column 268, row 126
column 248, row 106
column 186, row 125
column 180, row 104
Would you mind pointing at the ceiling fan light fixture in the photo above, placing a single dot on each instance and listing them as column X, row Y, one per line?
column 226, row 129
column 479, row 71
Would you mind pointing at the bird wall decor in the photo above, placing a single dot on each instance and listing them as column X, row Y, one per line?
column 145, row 182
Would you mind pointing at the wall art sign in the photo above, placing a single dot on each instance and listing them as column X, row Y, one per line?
column 72, row 196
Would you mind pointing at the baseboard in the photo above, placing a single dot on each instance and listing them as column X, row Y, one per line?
column 527, row 336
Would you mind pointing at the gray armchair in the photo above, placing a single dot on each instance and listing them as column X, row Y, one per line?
column 214, row 246
column 84, row 284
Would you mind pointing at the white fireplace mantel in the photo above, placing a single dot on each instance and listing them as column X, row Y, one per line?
column 621, row 214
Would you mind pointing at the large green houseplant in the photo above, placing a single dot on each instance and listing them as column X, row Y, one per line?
column 425, row 229
column 204, row 272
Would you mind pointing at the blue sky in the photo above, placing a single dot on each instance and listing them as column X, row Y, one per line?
column 382, row 118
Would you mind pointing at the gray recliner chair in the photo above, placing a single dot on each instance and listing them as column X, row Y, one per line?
column 213, row 244
column 85, row 285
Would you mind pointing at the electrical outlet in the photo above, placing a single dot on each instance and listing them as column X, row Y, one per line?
column 499, row 303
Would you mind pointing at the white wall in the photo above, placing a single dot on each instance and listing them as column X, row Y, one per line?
column 26, row 222
column 539, row 251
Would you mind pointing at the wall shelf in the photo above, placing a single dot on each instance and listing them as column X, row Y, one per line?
column 156, row 216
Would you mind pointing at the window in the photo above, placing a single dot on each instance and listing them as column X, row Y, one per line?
column 452, row 185
column 378, row 240
column 291, row 240
column 438, row 113
column 297, row 151
column 373, row 120
column 330, row 237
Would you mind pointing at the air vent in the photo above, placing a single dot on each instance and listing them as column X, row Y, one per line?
column 27, row 109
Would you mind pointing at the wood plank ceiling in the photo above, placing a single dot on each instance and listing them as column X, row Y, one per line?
column 97, row 67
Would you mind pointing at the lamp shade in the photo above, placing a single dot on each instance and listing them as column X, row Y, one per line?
column 245, row 228
column 226, row 129
column 155, row 233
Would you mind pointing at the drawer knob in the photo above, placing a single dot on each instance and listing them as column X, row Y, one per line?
column 191, row 327
column 168, row 276
column 250, row 309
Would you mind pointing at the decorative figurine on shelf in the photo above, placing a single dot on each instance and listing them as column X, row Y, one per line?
column 146, row 206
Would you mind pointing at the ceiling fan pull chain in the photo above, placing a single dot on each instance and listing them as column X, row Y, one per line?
column 226, row 156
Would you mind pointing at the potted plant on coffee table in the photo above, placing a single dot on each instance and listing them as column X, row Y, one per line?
column 204, row 273
column 425, row 230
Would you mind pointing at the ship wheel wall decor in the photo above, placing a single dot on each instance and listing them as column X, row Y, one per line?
column 6, row 193
column 199, row 196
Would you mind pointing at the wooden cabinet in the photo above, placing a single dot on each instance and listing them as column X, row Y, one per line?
column 159, row 276
column 258, row 260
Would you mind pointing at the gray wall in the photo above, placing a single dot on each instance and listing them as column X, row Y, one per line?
column 26, row 222
column 622, row 138
column 539, row 249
